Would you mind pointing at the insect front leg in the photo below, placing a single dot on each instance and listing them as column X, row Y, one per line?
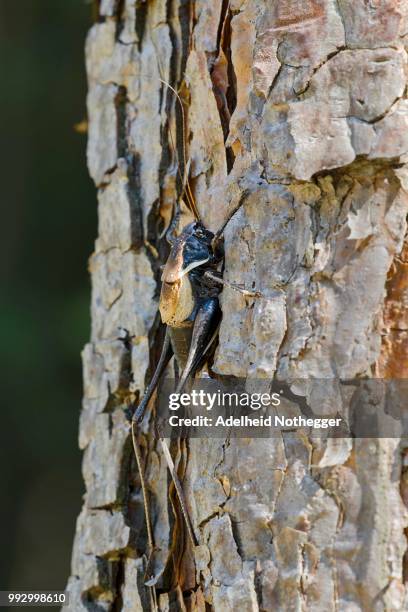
column 220, row 281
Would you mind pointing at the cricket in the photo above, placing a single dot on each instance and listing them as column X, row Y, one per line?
column 189, row 308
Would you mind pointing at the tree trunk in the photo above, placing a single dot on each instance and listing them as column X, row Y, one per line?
column 296, row 112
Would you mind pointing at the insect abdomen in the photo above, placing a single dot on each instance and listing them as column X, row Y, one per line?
column 180, row 338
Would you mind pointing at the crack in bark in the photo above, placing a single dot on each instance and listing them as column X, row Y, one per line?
column 141, row 12
column 134, row 188
column 330, row 56
column 119, row 9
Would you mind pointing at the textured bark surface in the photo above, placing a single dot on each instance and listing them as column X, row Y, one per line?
column 298, row 111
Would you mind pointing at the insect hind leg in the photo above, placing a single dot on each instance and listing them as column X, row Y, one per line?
column 205, row 323
column 166, row 355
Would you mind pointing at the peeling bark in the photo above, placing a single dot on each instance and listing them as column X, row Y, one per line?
column 297, row 120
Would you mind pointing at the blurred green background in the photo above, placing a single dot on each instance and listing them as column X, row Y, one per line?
column 48, row 224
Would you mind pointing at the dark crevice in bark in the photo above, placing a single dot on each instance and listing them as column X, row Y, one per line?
column 125, row 466
column 165, row 159
column 94, row 599
column 223, row 76
column 117, row 397
column 231, row 95
column 232, row 81
column 185, row 19
column 134, row 196
column 230, row 157
column 224, row 11
column 140, row 22
column 405, row 560
column 118, row 584
column 119, row 9
column 121, row 121
column 160, row 246
column 178, row 60
column 360, row 163
column 173, row 71
column 237, row 538
column 134, row 512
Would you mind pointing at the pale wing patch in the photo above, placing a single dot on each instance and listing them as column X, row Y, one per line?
column 176, row 302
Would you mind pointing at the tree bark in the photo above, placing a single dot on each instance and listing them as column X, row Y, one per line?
column 296, row 110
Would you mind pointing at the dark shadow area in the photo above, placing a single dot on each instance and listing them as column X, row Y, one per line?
column 48, row 224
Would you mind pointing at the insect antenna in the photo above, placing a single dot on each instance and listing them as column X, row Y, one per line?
column 183, row 178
